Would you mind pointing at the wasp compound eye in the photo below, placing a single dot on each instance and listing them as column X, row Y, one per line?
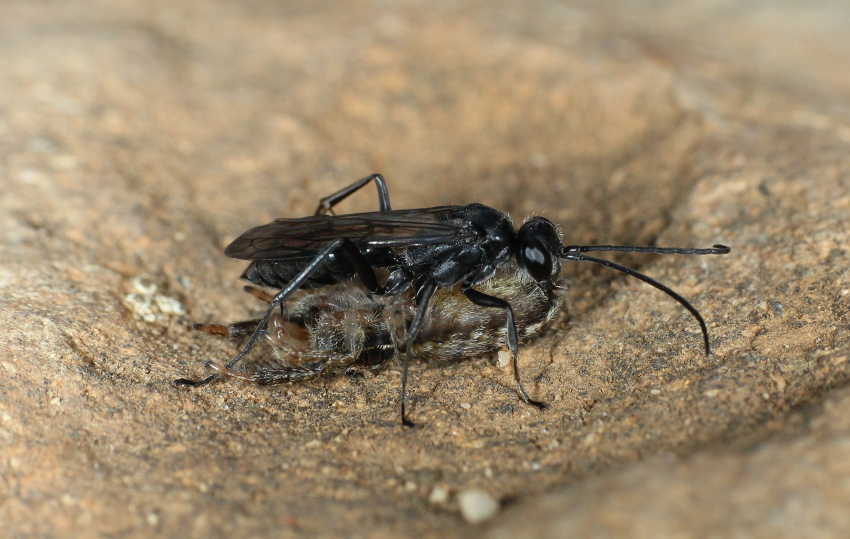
column 537, row 243
column 536, row 260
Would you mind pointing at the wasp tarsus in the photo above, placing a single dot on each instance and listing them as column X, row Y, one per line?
column 426, row 250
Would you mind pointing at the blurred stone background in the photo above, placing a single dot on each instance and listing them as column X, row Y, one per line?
column 138, row 139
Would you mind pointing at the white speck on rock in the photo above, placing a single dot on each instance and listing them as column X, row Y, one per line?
column 439, row 495
column 477, row 506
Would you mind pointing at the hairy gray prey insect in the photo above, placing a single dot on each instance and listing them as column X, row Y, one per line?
column 422, row 250
column 344, row 328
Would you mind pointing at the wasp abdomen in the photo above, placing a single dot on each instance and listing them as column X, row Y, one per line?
column 276, row 274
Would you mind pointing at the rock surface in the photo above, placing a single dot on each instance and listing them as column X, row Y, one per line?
column 138, row 139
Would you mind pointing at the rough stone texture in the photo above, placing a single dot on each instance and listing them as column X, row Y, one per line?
column 138, row 138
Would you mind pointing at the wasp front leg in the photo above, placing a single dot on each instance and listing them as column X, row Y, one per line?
column 483, row 300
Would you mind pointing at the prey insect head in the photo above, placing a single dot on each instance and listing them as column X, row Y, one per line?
column 537, row 246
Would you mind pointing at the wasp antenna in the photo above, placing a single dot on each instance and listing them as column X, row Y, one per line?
column 717, row 249
column 650, row 281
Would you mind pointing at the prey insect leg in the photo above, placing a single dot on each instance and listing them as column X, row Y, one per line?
column 483, row 300
column 236, row 329
column 326, row 204
column 259, row 294
column 341, row 246
column 232, row 331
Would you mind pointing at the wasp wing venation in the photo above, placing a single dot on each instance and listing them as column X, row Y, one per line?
column 285, row 239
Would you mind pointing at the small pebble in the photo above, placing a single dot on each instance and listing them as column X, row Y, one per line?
column 477, row 506
column 439, row 496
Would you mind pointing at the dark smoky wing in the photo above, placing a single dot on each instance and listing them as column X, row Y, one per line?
column 303, row 238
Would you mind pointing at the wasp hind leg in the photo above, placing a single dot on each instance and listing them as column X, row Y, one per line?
column 326, row 204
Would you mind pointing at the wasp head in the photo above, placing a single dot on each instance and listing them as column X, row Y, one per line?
column 537, row 245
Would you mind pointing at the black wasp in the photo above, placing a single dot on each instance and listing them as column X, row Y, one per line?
column 423, row 248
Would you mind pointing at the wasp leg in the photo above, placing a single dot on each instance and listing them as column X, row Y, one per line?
column 326, row 204
column 424, row 293
column 483, row 300
column 343, row 246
